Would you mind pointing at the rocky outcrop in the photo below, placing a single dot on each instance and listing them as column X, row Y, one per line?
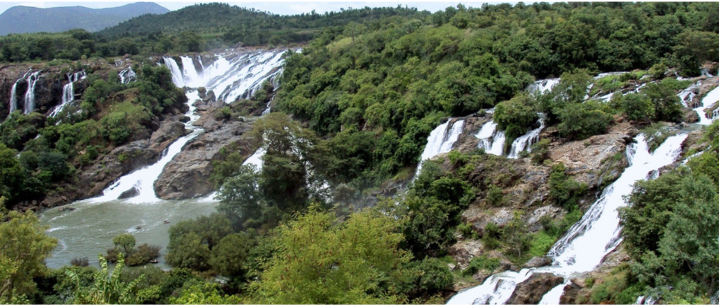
column 596, row 159
column 188, row 174
column 532, row 290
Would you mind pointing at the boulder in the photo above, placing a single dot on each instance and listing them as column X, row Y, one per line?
column 132, row 192
column 538, row 261
column 534, row 288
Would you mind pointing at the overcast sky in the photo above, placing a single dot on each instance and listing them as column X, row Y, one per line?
column 283, row 7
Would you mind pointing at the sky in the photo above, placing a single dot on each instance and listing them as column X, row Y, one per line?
column 282, row 7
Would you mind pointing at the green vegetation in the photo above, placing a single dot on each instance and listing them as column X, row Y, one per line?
column 23, row 249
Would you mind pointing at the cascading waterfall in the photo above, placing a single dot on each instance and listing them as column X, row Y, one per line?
column 440, row 141
column 189, row 72
column 177, row 76
column 143, row 179
column 127, row 75
column 30, row 93
column 711, row 97
column 68, row 91
column 13, row 93
column 491, row 139
column 590, row 239
column 543, row 86
column 524, row 142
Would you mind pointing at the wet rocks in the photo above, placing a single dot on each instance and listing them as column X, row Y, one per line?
column 532, row 290
column 132, row 192
column 538, row 261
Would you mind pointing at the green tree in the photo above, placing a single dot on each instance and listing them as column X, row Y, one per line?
column 230, row 255
column 23, row 249
column 323, row 262
column 126, row 241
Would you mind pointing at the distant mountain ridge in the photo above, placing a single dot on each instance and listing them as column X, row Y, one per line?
column 23, row 19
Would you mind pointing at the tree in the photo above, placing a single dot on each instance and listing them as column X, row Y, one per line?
column 229, row 256
column 666, row 103
column 241, row 200
column 637, row 107
column 323, row 262
column 23, row 249
column 188, row 252
column 126, row 241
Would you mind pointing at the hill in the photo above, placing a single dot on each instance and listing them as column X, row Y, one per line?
column 23, row 19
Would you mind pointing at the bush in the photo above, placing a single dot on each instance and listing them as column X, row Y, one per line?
column 581, row 121
column 479, row 263
column 539, row 151
column 564, row 190
column 495, row 196
column 79, row 262
column 143, row 255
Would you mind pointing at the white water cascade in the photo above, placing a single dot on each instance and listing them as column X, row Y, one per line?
column 13, row 93
column 68, row 94
column 524, row 142
column 588, row 240
column 30, row 93
column 440, row 141
column 707, row 101
column 143, row 180
column 127, row 75
column 543, row 86
column 491, row 139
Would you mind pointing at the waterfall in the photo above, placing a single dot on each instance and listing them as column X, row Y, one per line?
column 257, row 67
column 127, row 75
column 143, row 180
column 440, row 141
column 177, row 76
column 543, row 86
column 30, row 93
column 68, row 94
column 491, row 139
column 590, row 239
column 191, row 78
column 707, row 101
column 523, row 142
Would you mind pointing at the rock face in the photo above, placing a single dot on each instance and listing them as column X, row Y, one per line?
column 591, row 161
column 532, row 290
column 188, row 174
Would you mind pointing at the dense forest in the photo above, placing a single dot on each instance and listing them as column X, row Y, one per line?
column 354, row 111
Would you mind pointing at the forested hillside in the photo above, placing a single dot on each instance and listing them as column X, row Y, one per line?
column 341, row 206
column 23, row 19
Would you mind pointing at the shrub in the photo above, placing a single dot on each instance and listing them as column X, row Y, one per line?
column 495, row 196
column 581, row 121
column 539, row 151
column 481, row 263
column 564, row 190
column 79, row 262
